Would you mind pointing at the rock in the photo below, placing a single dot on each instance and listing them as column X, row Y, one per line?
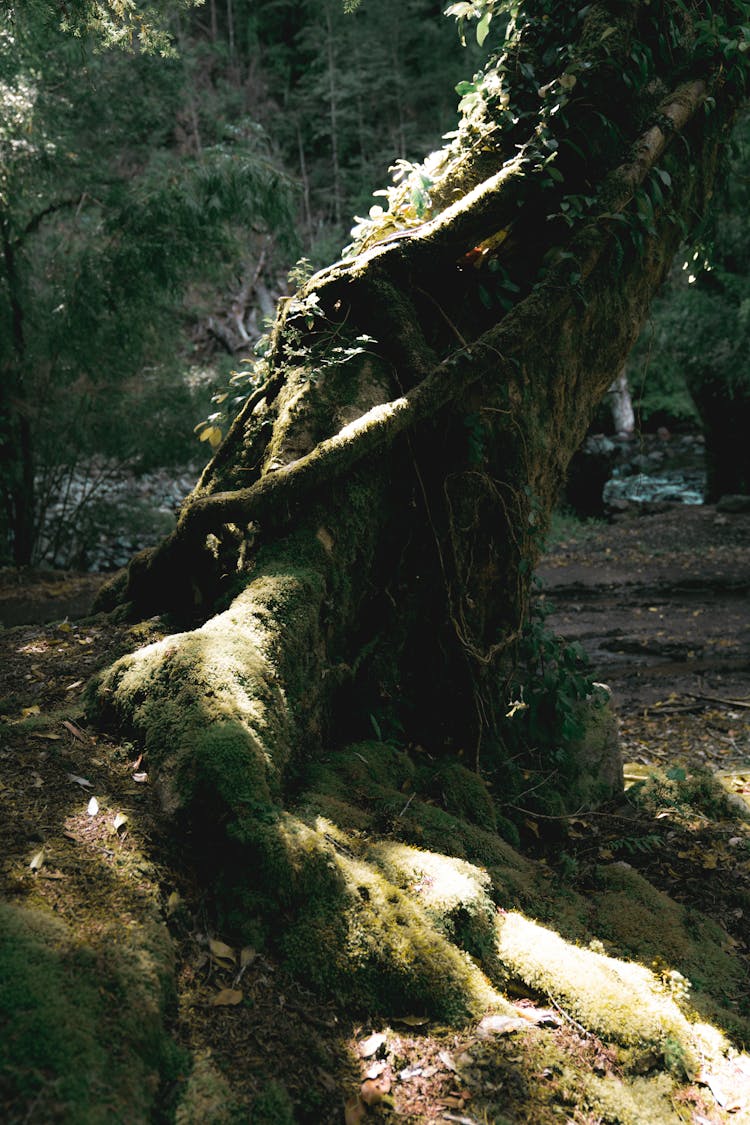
column 733, row 502
column 597, row 755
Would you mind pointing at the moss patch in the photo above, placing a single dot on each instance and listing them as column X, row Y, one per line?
column 619, row 1000
column 84, row 1036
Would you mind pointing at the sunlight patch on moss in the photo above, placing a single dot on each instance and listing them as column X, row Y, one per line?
column 648, row 925
column 619, row 1000
column 220, row 690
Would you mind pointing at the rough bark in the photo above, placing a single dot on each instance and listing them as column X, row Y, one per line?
column 358, row 553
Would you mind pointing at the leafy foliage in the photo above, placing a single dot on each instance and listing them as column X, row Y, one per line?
column 104, row 223
column 547, row 699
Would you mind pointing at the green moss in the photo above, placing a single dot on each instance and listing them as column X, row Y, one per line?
column 700, row 791
column 83, row 1042
column 632, row 1101
column 430, row 826
column 367, row 771
column 243, row 673
column 454, row 894
column 644, row 923
column 344, row 915
column 619, row 1000
column 463, row 793
column 227, row 765
column 207, row 1097
column 272, row 1107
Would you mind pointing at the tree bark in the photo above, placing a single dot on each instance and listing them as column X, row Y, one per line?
column 358, row 554
column 621, row 405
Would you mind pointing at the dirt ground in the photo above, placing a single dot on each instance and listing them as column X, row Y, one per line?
column 659, row 602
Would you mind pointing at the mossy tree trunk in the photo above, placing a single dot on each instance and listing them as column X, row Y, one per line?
column 360, row 549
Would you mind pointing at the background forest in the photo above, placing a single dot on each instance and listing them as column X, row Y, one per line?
column 152, row 205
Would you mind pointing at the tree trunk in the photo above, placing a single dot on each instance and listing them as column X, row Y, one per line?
column 621, row 405
column 358, row 554
column 16, row 445
column 725, row 416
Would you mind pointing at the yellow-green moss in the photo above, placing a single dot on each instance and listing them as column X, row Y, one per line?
column 631, row 1101
column 226, row 690
column 207, row 1097
column 454, row 894
column 642, row 922
column 619, row 1000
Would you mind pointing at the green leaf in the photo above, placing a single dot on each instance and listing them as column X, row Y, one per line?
column 483, row 28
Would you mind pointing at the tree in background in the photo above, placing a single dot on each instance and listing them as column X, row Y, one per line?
column 356, row 559
column 104, row 219
column 699, row 336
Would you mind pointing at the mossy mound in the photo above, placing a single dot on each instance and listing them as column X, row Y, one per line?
column 689, row 951
column 84, row 1041
column 619, row 1000
column 345, row 916
column 386, row 882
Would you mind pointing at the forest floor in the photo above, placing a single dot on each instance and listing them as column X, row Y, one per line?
column 659, row 602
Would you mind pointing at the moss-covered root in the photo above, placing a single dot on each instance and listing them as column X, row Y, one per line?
column 381, row 926
column 621, row 1001
column 83, row 1041
column 220, row 709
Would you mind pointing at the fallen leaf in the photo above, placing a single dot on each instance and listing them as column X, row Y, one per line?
column 499, row 1025
column 446, row 1060
column 119, row 822
column 73, row 686
column 539, row 1016
column 377, row 1069
column 247, row 956
column 48, row 735
column 141, row 778
column 373, row 1090
column 226, row 998
column 173, row 902
column 76, row 731
column 371, row 1045
column 27, row 711
column 410, row 1072
column 93, row 807
column 354, row 1111
column 412, row 1021
column 82, row 781
column 221, row 951
column 37, row 861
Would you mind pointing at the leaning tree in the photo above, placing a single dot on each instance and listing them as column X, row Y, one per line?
column 351, row 574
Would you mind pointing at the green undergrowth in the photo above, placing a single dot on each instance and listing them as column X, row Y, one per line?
column 370, row 891
column 392, row 881
column 83, row 1039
